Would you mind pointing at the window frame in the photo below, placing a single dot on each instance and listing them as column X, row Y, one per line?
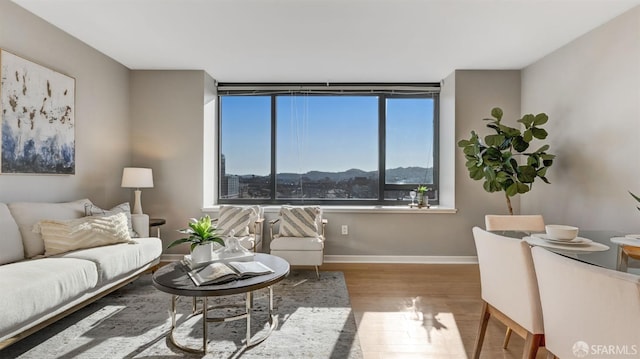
column 381, row 91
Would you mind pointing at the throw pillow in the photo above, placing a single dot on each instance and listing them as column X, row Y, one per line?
column 299, row 221
column 62, row 236
column 91, row 209
column 235, row 218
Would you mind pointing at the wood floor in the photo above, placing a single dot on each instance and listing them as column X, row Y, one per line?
column 421, row 311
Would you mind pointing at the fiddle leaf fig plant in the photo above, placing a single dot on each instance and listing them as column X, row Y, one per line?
column 504, row 160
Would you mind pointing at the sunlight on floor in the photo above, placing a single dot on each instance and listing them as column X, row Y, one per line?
column 410, row 332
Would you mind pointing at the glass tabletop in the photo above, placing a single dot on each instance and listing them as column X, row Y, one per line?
column 606, row 259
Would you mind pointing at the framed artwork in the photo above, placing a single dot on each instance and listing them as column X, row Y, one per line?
column 38, row 118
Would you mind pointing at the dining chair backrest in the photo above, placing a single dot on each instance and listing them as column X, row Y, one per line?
column 507, row 278
column 522, row 223
column 587, row 307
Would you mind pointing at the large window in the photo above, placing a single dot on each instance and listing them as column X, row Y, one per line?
column 336, row 144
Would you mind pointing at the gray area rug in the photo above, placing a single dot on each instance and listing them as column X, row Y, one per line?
column 315, row 321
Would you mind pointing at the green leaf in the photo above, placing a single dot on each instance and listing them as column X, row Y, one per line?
column 527, row 120
column 533, row 160
column 494, row 140
column 542, row 149
column 547, row 163
column 547, row 156
column 178, row 241
column 522, row 188
column 489, row 174
column 634, row 196
column 526, row 174
column 501, row 177
column 512, row 190
column 509, row 131
column 540, row 119
column 476, row 173
column 528, row 136
column 539, row 133
column 542, row 172
column 545, row 179
column 519, row 144
column 497, row 113
column 464, row 143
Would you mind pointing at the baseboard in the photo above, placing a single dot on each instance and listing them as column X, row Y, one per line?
column 374, row 259
column 401, row 259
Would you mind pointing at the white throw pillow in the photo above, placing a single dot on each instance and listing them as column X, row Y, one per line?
column 299, row 221
column 91, row 209
column 235, row 218
column 67, row 235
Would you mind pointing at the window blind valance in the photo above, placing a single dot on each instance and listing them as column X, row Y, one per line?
column 256, row 89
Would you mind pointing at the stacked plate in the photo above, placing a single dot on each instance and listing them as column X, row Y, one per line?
column 571, row 242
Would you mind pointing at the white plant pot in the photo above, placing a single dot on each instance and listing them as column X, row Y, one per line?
column 202, row 253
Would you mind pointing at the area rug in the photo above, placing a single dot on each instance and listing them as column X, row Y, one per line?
column 314, row 321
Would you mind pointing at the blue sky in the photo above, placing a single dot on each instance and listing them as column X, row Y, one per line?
column 324, row 133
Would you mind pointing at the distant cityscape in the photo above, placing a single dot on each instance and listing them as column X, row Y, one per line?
column 350, row 184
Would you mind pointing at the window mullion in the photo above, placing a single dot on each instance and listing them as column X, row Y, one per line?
column 382, row 106
column 273, row 149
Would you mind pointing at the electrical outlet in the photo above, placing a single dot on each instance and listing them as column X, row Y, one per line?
column 345, row 229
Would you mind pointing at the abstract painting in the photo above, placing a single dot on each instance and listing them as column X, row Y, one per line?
column 38, row 118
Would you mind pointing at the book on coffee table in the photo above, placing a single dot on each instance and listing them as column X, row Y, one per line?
column 219, row 272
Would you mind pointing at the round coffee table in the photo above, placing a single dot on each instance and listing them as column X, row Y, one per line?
column 173, row 279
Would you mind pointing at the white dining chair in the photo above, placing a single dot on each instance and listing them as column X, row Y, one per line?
column 589, row 311
column 519, row 223
column 509, row 289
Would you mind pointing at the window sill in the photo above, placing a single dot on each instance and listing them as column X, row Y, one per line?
column 362, row 209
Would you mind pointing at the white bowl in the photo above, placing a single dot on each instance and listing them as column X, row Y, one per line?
column 561, row 232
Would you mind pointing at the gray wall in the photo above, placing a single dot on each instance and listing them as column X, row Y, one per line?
column 167, row 114
column 167, row 110
column 591, row 91
column 102, row 113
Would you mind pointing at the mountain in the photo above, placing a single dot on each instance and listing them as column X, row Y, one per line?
column 394, row 175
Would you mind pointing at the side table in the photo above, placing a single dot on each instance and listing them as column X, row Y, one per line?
column 156, row 222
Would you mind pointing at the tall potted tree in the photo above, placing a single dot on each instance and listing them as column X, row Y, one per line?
column 501, row 159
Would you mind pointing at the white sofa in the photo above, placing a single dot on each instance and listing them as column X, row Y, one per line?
column 36, row 290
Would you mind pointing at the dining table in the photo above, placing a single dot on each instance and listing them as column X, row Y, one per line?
column 598, row 247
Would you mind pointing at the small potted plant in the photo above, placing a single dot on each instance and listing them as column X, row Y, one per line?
column 201, row 234
column 423, row 200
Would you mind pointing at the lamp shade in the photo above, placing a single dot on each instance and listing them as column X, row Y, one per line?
column 135, row 177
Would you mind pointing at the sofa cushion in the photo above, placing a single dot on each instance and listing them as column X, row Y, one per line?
column 27, row 214
column 91, row 209
column 32, row 288
column 87, row 232
column 11, row 248
column 297, row 244
column 116, row 260
column 236, row 219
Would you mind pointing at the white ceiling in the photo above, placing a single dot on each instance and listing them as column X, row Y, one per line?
column 327, row 40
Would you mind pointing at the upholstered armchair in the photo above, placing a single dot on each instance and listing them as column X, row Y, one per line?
column 509, row 289
column 589, row 311
column 297, row 235
column 245, row 222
